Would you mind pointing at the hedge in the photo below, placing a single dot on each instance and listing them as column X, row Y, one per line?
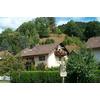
column 97, row 76
column 36, row 77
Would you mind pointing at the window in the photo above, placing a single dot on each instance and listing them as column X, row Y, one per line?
column 41, row 58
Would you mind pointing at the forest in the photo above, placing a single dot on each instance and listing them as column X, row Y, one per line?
column 30, row 33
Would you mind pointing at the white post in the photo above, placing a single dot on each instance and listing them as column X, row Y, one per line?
column 63, row 79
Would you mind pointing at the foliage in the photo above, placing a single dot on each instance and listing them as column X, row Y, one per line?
column 81, row 66
column 73, row 41
column 13, row 42
column 84, row 30
column 72, row 29
column 52, row 69
column 51, row 21
column 97, row 76
column 58, row 31
column 28, row 29
column 92, row 29
column 37, row 77
column 7, row 30
column 42, row 26
column 49, row 41
column 10, row 64
column 40, row 66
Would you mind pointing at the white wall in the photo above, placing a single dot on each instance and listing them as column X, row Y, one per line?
column 97, row 54
column 53, row 61
column 36, row 59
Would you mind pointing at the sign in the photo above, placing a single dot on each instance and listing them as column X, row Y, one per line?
column 63, row 72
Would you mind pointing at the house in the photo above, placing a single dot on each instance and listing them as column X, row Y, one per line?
column 94, row 44
column 49, row 54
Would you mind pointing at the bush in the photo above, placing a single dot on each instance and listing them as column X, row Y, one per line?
column 73, row 41
column 49, row 41
column 53, row 69
column 98, row 64
column 81, row 66
column 97, row 76
column 58, row 31
column 15, row 77
column 40, row 66
column 36, row 77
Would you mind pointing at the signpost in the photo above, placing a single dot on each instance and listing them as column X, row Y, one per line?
column 63, row 72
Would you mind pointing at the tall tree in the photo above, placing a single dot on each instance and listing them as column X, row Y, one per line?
column 8, row 30
column 92, row 29
column 42, row 26
column 72, row 29
column 52, row 23
column 10, row 64
column 28, row 29
column 13, row 42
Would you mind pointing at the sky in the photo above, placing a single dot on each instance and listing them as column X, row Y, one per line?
column 15, row 22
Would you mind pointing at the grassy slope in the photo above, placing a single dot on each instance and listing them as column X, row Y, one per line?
column 57, row 38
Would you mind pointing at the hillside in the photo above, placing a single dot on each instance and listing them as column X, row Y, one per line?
column 57, row 38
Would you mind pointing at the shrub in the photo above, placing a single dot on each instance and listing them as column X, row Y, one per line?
column 58, row 31
column 10, row 64
column 49, row 41
column 73, row 41
column 36, row 77
column 97, row 76
column 53, row 69
column 98, row 64
column 15, row 77
column 81, row 66
column 40, row 66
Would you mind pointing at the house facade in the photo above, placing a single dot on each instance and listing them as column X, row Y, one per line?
column 50, row 54
column 94, row 44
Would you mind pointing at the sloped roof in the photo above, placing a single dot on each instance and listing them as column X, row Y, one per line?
column 93, row 42
column 45, row 49
column 25, row 52
column 38, row 50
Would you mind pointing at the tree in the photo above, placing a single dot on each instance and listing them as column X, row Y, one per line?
column 27, row 28
column 72, row 29
column 13, row 42
column 5, row 44
column 81, row 66
column 92, row 29
column 52, row 22
column 42, row 26
column 29, row 31
column 58, row 31
column 10, row 64
column 8, row 30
